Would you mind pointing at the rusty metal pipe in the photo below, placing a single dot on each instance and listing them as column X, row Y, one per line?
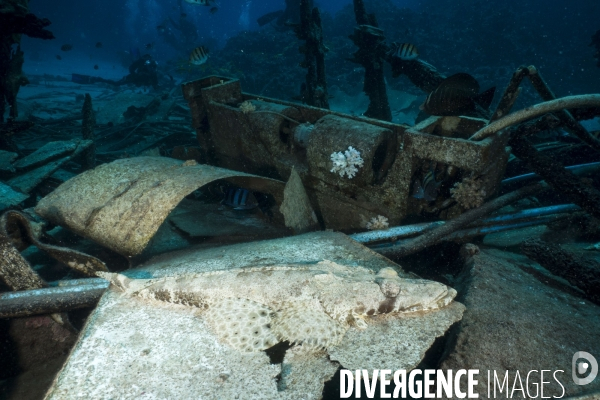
column 580, row 169
column 464, row 234
column 62, row 298
column 579, row 101
column 531, row 215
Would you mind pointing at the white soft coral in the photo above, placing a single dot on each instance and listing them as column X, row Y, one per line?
column 379, row 222
column 347, row 163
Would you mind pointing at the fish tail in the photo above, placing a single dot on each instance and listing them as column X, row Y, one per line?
column 418, row 192
column 484, row 99
column 119, row 281
column 236, row 198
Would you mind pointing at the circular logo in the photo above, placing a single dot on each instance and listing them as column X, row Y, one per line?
column 581, row 367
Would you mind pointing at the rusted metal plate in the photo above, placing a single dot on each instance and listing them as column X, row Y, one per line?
column 121, row 205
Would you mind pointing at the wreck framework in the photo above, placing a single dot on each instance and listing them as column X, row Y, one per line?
column 265, row 141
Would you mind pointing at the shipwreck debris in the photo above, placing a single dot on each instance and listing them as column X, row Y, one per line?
column 580, row 101
column 10, row 197
column 511, row 93
column 23, row 231
column 314, row 90
column 579, row 170
column 6, row 159
column 497, row 223
column 17, row 232
column 371, row 52
column 48, row 159
column 265, row 143
column 15, row 19
column 63, row 297
column 557, row 176
column 569, row 122
column 422, row 74
column 48, row 152
column 121, row 205
column 199, row 220
column 15, row 271
column 434, row 236
column 296, row 206
column 583, row 273
column 87, row 131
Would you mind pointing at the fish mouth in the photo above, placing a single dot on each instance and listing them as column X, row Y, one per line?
column 445, row 296
column 444, row 299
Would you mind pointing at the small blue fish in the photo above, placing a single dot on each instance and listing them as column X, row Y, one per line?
column 428, row 189
column 239, row 199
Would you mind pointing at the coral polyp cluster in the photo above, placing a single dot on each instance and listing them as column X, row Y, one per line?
column 379, row 222
column 469, row 193
column 246, row 107
column 347, row 163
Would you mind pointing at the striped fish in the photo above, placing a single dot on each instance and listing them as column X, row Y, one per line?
column 428, row 189
column 239, row 199
column 456, row 95
column 403, row 51
column 199, row 55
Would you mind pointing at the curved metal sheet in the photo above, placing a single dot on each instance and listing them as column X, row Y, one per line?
column 121, row 205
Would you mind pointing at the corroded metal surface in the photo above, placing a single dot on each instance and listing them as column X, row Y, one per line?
column 121, row 205
column 263, row 142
